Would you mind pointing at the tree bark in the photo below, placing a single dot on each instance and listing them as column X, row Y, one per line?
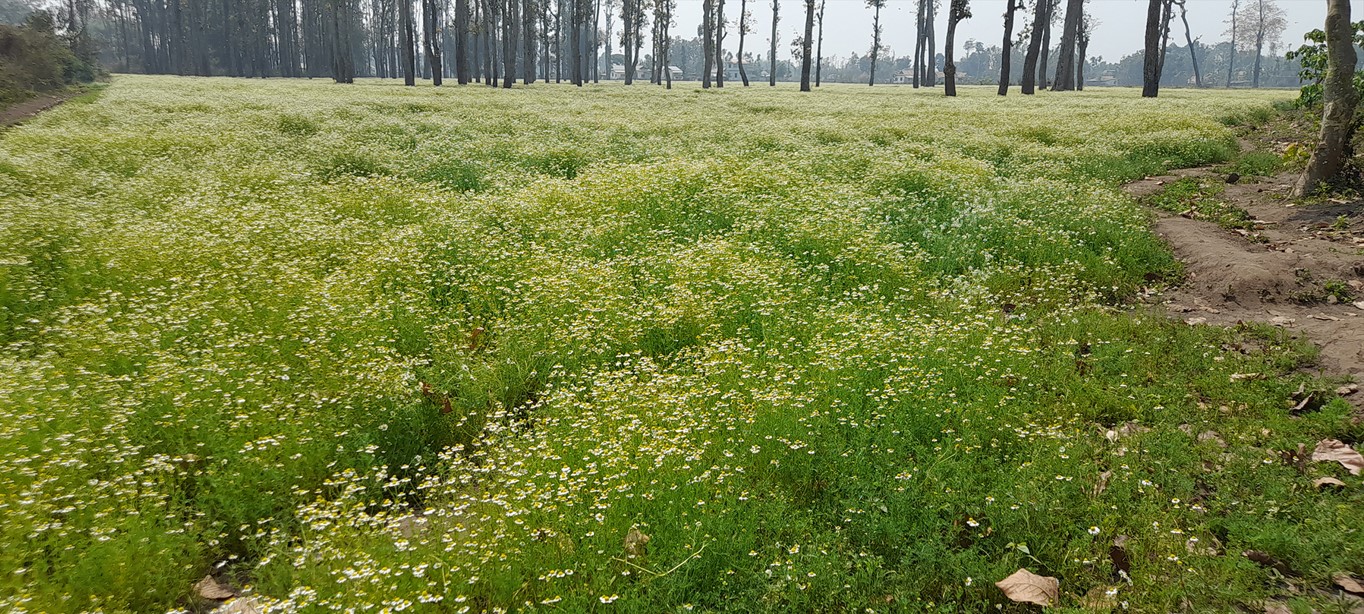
column 1065, row 63
column 772, row 54
column 1340, row 99
column 719, row 43
column 1046, row 43
column 819, row 45
column 875, row 38
column 1150, row 72
column 1006, row 58
column 807, row 46
column 1231, row 61
column 958, row 11
column 406, row 34
column 707, row 42
column 1034, row 47
column 1188, row 37
column 743, row 30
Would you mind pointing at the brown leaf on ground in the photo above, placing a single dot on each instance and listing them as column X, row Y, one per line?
column 1102, row 484
column 1347, row 390
column 1324, row 482
column 635, row 541
column 1213, row 437
column 1265, row 559
column 1102, row 598
column 1336, row 450
column 1348, row 583
column 1277, row 607
column 1126, row 430
column 244, row 605
column 208, row 588
column 1024, row 586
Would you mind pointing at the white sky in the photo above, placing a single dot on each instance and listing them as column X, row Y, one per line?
column 1121, row 24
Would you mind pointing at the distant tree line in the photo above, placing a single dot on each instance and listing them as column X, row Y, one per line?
column 498, row 42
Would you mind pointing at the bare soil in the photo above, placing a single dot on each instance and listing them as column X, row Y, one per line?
column 1289, row 271
column 20, row 112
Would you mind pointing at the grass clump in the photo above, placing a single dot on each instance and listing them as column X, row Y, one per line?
column 1197, row 198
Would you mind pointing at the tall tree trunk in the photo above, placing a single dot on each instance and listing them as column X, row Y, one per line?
column 743, row 31
column 1080, row 62
column 462, row 41
column 1188, row 38
column 1231, row 61
column 875, row 39
column 807, row 46
column 819, row 47
column 1339, row 97
column 1034, row 47
column 1065, row 63
column 931, row 45
column 1006, row 58
column 528, row 13
column 919, row 38
column 719, row 43
column 1150, row 72
column 707, row 41
column 957, row 11
column 431, row 37
column 511, row 27
column 772, row 53
column 1045, row 57
column 406, row 34
column 1259, row 51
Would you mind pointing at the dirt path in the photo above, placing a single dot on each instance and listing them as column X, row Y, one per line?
column 18, row 113
column 1290, row 271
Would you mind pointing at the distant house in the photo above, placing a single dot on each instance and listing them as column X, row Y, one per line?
column 642, row 73
column 903, row 76
column 1104, row 79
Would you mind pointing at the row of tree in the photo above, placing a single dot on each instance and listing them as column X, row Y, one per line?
column 498, row 42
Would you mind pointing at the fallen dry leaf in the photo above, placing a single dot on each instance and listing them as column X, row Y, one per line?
column 1213, row 437
column 635, row 541
column 245, row 605
column 1024, row 586
column 1347, row 390
column 1281, row 320
column 1276, row 607
column 1267, row 560
column 208, row 588
column 1240, row 377
column 1102, row 598
column 1127, row 429
column 1348, row 582
column 1195, row 321
column 1102, row 484
column 1336, row 450
column 1320, row 482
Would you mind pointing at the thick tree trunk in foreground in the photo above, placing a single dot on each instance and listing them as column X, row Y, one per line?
column 743, row 30
column 958, row 11
column 1337, row 121
column 1065, row 64
column 405, row 39
column 772, row 53
column 806, row 46
column 1150, row 69
column 1034, row 47
column 1006, row 58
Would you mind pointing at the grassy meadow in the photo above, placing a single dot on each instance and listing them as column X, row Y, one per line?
column 374, row 348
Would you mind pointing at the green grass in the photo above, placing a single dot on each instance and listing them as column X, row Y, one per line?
column 830, row 352
column 1199, row 198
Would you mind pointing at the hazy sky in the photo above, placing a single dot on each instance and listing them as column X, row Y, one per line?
column 1121, row 23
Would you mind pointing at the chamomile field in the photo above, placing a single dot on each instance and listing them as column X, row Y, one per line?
column 373, row 348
